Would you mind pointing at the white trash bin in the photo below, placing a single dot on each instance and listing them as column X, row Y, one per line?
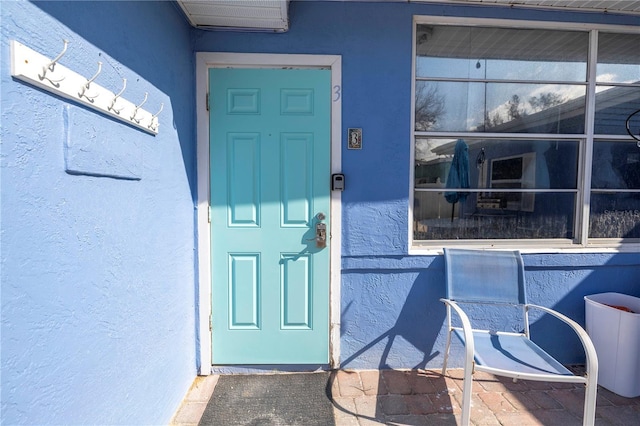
column 615, row 333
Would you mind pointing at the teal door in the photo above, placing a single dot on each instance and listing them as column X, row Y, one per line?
column 270, row 178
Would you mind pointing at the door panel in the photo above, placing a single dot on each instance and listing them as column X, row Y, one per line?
column 270, row 176
column 243, row 165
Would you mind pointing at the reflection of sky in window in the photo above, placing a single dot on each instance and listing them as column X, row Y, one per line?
column 473, row 99
column 548, row 57
column 618, row 58
column 500, row 69
column 466, row 103
column 618, row 73
column 424, row 148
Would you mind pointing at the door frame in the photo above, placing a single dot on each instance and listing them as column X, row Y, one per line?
column 204, row 61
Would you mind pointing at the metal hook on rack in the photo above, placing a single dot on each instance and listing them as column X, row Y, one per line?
column 135, row 111
column 51, row 65
column 153, row 124
column 115, row 98
column 32, row 67
column 86, row 85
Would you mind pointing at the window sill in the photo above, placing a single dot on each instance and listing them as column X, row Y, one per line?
column 559, row 247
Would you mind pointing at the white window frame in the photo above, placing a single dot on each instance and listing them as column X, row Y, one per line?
column 580, row 243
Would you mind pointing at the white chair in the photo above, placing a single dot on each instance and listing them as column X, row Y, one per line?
column 497, row 278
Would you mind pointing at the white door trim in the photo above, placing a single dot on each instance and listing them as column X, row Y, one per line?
column 204, row 61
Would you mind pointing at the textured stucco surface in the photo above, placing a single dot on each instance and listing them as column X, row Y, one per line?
column 391, row 316
column 97, row 255
column 97, row 221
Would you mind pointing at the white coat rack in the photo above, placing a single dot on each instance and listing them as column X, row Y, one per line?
column 30, row 66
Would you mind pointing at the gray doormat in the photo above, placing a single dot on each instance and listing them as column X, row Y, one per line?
column 298, row 399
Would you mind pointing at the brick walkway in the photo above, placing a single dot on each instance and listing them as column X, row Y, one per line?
column 425, row 397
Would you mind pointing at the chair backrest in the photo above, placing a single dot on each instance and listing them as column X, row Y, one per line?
column 485, row 276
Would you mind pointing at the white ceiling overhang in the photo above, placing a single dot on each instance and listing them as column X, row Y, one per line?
column 272, row 15
column 257, row 15
column 611, row 6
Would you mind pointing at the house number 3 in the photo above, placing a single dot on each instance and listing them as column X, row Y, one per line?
column 337, row 92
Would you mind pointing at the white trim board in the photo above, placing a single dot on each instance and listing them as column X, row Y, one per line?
column 204, row 61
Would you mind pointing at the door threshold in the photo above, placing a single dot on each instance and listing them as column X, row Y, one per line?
column 269, row 368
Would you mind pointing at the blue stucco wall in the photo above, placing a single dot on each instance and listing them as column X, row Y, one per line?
column 97, row 233
column 391, row 316
column 98, row 297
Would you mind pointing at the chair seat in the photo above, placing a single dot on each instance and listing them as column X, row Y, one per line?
column 513, row 352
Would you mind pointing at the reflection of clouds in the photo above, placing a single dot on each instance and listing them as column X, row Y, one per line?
column 467, row 104
column 424, row 148
column 628, row 73
column 421, row 151
column 566, row 92
column 607, row 78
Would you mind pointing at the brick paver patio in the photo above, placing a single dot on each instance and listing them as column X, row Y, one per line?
column 425, row 397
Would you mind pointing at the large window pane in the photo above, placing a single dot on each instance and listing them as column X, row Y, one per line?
column 549, row 215
column 497, row 163
column 618, row 58
column 501, row 53
column 499, row 107
column 613, row 105
column 473, row 82
column 615, row 215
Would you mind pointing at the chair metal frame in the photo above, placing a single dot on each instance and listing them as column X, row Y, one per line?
column 468, row 335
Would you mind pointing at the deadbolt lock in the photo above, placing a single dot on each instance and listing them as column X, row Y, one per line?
column 321, row 235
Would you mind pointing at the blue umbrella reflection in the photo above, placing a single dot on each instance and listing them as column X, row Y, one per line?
column 458, row 175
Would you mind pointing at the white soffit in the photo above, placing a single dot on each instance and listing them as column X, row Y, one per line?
column 272, row 15
column 261, row 15
column 613, row 6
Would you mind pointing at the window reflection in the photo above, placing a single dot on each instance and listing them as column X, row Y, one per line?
column 618, row 58
column 499, row 107
column 615, row 175
column 614, row 215
column 501, row 53
column 613, row 106
column 499, row 82
column 436, row 219
column 538, row 164
column 502, row 199
column 616, row 165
